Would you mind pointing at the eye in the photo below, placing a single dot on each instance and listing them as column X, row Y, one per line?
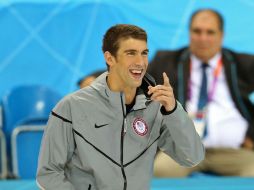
column 210, row 32
column 131, row 53
column 196, row 31
column 145, row 53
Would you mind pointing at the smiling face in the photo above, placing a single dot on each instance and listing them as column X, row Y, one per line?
column 128, row 67
column 205, row 35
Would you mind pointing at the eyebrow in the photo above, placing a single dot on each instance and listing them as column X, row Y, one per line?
column 128, row 50
column 199, row 29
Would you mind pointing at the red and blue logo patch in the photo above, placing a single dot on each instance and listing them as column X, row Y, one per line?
column 140, row 127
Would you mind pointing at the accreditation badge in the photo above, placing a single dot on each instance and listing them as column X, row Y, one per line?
column 199, row 120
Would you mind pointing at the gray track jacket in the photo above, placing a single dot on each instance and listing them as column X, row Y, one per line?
column 91, row 144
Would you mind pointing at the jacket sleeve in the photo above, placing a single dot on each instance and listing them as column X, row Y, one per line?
column 56, row 150
column 179, row 138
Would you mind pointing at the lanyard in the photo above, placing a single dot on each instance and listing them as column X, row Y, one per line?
column 216, row 74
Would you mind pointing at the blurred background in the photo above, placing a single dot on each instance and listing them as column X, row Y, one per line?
column 55, row 42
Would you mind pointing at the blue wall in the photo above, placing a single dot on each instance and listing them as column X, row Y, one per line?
column 55, row 42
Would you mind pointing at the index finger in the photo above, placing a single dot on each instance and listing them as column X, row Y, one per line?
column 165, row 79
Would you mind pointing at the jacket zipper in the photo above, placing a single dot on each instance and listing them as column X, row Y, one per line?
column 123, row 132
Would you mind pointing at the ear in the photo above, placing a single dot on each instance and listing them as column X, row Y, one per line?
column 109, row 58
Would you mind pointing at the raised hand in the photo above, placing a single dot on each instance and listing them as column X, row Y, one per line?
column 163, row 94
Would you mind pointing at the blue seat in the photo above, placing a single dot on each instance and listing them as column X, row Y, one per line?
column 3, row 156
column 25, row 112
column 203, row 175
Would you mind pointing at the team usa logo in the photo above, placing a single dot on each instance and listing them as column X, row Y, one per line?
column 140, row 126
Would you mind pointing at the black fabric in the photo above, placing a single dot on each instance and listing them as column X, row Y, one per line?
column 148, row 80
column 129, row 107
column 60, row 117
column 165, row 112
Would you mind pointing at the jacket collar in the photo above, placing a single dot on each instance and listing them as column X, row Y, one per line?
column 115, row 98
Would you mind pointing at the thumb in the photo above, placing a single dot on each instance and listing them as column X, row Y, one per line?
column 165, row 79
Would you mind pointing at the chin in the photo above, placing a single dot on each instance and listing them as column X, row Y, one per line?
column 137, row 84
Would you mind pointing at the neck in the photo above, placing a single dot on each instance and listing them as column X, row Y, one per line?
column 209, row 59
column 129, row 92
column 204, row 59
column 129, row 96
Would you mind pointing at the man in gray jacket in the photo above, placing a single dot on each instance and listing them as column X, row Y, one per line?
column 105, row 136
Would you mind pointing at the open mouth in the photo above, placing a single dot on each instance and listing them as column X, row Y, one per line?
column 136, row 73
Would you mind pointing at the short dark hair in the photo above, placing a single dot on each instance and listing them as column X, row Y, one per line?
column 118, row 32
column 216, row 13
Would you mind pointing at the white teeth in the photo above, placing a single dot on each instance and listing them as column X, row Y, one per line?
column 136, row 71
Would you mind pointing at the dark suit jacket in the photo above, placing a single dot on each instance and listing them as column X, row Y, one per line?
column 239, row 71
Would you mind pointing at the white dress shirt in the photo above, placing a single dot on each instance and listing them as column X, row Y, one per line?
column 225, row 125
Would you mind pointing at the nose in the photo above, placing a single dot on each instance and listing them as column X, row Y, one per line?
column 140, row 60
column 203, row 36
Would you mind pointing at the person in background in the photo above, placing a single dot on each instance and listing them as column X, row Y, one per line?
column 215, row 86
column 88, row 79
column 105, row 136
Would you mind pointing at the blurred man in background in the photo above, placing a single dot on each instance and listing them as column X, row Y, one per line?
column 215, row 86
column 88, row 79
